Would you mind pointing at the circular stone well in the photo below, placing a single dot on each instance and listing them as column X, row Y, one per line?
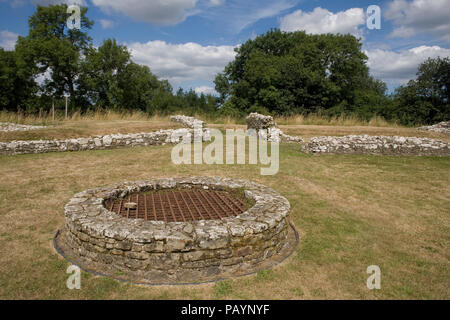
column 177, row 230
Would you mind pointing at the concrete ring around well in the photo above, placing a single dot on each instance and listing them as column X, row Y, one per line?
column 158, row 252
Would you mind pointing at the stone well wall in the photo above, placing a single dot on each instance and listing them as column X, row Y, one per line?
column 173, row 252
column 111, row 141
column 385, row 145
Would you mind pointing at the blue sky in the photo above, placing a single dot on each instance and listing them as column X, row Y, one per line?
column 189, row 41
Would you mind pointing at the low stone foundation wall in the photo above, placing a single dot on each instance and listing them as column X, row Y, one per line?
column 8, row 126
column 385, row 145
column 111, row 141
column 441, row 127
column 173, row 252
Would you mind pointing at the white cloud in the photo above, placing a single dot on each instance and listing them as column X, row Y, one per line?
column 216, row 2
column 233, row 15
column 323, row 21
column 402, row 32
column 49, row 2
column 8, row 39
column 261, row 12
column 400, row 67
column 182, row 62
column 106, row 24
column 419, row 16
column 205, row 90
column 163, row 12
column 14, row 3
column 20, row 3
column 236, row 15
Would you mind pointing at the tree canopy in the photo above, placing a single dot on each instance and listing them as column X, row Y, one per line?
column 52, row 48
column 294, row 72
column 17, row 86
column 427, row 98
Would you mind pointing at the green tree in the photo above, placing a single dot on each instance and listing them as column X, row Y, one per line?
column 52, row 47
column 100, row 74
column 104, row 78
column 111, row 80
column 425, row 99
column 17, row 85
column 293, row 72
column 142, row 90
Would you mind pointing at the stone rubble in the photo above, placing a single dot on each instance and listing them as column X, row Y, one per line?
column 441, row 127
column 268, row 129
column 8, row 126
column 188, row 122
column 384, row 145
column 160, row 252
column 200, row 128
column 258, row 121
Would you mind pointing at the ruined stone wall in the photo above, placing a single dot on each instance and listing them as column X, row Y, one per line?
column 441, row 127
column 268, row 129
column 384, row 145
column 111, row 141
column 175, row 251
column 258, row 121
column 188, row 122
column 8, row 126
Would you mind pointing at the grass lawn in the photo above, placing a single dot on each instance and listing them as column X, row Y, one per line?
column 351, row 212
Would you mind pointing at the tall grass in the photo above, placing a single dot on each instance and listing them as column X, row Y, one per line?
column 22, row 118
column 135, row 115
column 342, row 120
column 47, row 118
column 311, row 119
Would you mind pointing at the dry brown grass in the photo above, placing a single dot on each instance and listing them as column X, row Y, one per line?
column 312, row 119
column 350, row 211
column 77, row 125
column 343, row 120
column 99, row 123
column 309, row 131
column 85, row 128
column 47, row 118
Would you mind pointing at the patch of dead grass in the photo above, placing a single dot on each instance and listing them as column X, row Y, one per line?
column 85, row 128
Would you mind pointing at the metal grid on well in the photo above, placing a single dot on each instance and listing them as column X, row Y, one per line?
column 178, row 205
